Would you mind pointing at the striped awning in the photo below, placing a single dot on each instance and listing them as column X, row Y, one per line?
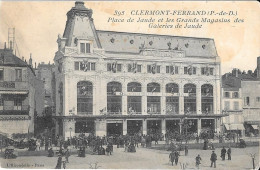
column 235, row 127
column 14, row 92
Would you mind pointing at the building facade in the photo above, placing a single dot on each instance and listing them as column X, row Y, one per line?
column 232, row 102
column 111, row 83
column 20, row 94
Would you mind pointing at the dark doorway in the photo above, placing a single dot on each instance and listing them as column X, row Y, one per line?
column 114, row 129
column 208, row 127
column 154, row 126
column 134, row 127
column 87, row 126
column 173, row 126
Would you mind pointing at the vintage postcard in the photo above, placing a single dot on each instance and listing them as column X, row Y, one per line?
column 129, row 84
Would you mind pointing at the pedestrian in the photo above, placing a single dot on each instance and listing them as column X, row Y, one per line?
column 172, row 157
column 213, row 159
column 59, row 162
column 229, row 153
column 177, row 154
column 63, row 162
column 67, row 154
column 223, row 153
column 186, row 150
column 198, row 159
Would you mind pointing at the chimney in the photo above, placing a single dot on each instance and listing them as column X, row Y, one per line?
column 236, row 72
column 30, row 60
column 23, row 58
column 35, row 65
column 5, row 45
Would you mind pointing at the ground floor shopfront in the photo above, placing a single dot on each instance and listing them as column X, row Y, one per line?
column 121, row 125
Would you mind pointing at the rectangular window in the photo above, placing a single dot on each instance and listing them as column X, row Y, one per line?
column 176, row 70
column 247, row 101
column 185, row 70
column 134, row 104
column 235, row 95
column 18, row 74
column 203, row 72
column 149, row 68
column 82, row 48
column 158, row 70
column 1, row 74
column 211, row 71
column 87, row 48
column 226, row 105
column 76, row 65
column 172, row 69
column 153, row 105
column 236, row 105
column 167, row 69
column 172, row 105
column 139, row 68
column 93, row 66
column 17, row 104
column 258, row 99
column 119, row 67
column 227, row 95
column 109, row 67
column 194, row 70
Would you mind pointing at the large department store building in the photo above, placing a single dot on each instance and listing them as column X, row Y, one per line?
column 120, row 82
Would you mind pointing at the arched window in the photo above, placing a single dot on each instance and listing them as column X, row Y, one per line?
column 153, row 87
column 84, row 97
column 190, row 99
column 134, row 87
column 172, row 88
column 207, row 99
column 172, row 102
column 114, row 98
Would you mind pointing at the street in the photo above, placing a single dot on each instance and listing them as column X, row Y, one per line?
column 142, row 159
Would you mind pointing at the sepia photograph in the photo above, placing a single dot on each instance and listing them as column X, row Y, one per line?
column 129, row 85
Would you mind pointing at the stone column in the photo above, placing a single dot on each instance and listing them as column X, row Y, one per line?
column 124, row 127
column 124, row 99
column 199, row 126
column 163, row 126
column 144, row 127
column 198, row 99
column 181, row 100
column 163, row 105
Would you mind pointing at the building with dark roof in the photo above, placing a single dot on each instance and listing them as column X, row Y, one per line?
column 241, row 101
column 117, row 83
column 20, row 94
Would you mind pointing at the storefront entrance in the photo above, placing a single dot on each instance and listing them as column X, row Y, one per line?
column 173, row 126
column 114, row 129
column 134, row 127
column 208, row 127
column 154, row 126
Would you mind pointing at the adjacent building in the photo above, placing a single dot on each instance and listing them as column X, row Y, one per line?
column 20, row 94
column 111, row 83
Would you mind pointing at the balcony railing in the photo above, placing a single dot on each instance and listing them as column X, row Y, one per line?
column 114, row 113
column 207, row 112
column 14, row 110
column 85, row 113
column 134, row 113
column 23, row 85
column 154, row 113
column 172, row 113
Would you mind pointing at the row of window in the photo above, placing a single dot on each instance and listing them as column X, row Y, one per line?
column 134, row 103
column 235, row 105
column 114, row 88
column 18, row 74
column 137, row 68
column 247, row 101
column 10, row 103
column 234, row 94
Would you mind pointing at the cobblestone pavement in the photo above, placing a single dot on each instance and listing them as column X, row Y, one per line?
column 142, row 159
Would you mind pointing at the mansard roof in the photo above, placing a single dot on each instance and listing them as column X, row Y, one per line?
column 126, row 42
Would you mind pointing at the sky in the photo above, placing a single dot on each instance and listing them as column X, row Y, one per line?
column 37, row 25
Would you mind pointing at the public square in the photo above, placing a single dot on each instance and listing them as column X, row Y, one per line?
column 143, row 158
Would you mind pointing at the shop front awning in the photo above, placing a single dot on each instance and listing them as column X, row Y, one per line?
column 235, row 127
column 14, row 92
column 255, row 126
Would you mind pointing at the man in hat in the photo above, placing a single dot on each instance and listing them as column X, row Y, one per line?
column 59, row 162
column 198, row 159
column 213, row 159
column 172, row 157
column 223, row 153
column 229, row 153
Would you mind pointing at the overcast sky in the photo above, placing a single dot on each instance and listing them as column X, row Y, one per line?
column 37, row 25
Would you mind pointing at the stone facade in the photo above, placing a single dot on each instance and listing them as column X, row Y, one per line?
column 20, row 94
column 99, row 67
